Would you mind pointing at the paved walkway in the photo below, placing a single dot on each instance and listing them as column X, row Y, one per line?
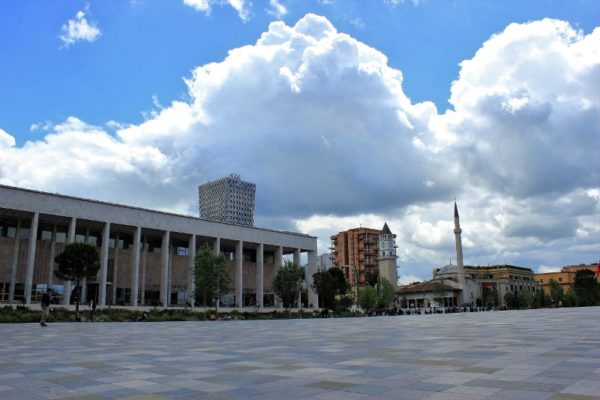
column 536, row 354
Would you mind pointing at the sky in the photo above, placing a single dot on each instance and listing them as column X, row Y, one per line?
column 345, row 113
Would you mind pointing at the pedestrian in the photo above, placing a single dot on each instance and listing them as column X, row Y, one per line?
column 92, row 310
column 46, row 300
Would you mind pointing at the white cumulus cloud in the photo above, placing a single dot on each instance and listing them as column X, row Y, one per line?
column 79, row 29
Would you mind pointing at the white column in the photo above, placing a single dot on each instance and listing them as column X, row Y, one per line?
column 276, row 267
column 191, row 285
column 260, row 264
column 239, row 262
column 143, row 276
column 31, row 257
column 170, row 273
column 217, row 246
column 297, row 262
column 164, row 268
column 83, row 290
column 52, row 255
column 15, row 262
column 70, row 239
column 313, row 298
column 104, row 264
column 115, row 270
column 135, row 268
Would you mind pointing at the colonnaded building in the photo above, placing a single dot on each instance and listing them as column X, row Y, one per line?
column 146, row 256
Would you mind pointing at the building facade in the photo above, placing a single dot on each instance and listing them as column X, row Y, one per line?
column 565, row 277
column 146, row 256
column 229, row 200
column 497, row 280
column 355, row 252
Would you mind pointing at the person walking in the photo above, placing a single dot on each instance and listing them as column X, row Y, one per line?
column 46, row 300
column 92, row 310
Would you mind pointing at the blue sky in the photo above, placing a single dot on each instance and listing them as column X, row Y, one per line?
column 345, row 113
column 147, row 47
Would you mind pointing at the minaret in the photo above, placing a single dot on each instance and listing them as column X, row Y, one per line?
column 459, row 255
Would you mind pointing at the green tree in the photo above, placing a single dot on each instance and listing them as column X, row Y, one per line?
column 368, row 298
column 386, row 293
column 524, row 299
column 341, row 284
column 540, row 299
column 330, row 284
column 326, row 287
column 287, row 285
column 511, row 300
column 556, row 292
column 211, row 277
column 586, row 288
column 571, row 299
column 75, row 262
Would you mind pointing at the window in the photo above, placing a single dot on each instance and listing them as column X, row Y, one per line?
column 560, row 279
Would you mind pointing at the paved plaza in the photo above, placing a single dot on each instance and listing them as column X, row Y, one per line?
column 534, row 354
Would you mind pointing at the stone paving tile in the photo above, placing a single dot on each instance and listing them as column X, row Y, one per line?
column 525, row 355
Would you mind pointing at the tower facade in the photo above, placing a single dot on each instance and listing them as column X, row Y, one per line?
column 229, row 200
column 459, row 255
column 386, row 255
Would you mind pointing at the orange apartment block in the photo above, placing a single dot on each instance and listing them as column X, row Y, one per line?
column 355, row 252
column 566, row 277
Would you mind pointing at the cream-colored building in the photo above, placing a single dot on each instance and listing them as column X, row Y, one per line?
column 146, row 256
column 565, row 277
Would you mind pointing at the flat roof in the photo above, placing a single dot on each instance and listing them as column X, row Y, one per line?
column 149, row 210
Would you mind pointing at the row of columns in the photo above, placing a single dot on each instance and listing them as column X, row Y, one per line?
column 135, row 274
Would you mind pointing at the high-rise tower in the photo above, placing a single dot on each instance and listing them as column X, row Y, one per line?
column 228, row 199
column 459, row 255
column 386, row 256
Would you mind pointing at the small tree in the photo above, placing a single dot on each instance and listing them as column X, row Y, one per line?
column 326, row 287
column 341, row 284
column 556, row 292
column 287, row 285
column 210, row 276
column 368, row 298
column 525, row 299
column 586, row 288
column 386, row 293
column 77, row 261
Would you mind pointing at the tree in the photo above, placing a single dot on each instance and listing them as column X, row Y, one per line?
column 341, row 284
column 586, row 288
column 386, row 293
column 524, row 298
column 287, row 285
column 368, row 298
column 328, row 285
column 210, row 276
column 77, row 261
column 556, row 292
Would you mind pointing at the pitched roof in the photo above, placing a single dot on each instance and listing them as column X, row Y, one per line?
column 386, row 230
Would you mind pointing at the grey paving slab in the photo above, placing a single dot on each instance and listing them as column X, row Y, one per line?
column 533, row 354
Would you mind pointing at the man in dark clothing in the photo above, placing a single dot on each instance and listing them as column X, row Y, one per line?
column 46, row 300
